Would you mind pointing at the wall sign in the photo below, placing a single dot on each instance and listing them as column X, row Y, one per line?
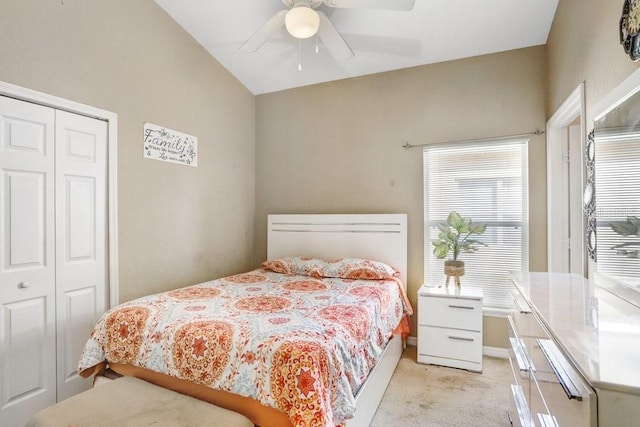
column 169, row 145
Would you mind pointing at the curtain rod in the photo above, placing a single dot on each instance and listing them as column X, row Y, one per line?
column 495, row 138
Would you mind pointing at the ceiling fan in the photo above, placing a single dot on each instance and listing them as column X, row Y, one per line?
column 302, row 20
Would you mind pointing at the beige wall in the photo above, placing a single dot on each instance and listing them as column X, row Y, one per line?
column 336, row 147
column 584, row 46
column 178, row 225
column 329, row 148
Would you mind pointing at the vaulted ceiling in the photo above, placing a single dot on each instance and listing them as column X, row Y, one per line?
column 381, row 40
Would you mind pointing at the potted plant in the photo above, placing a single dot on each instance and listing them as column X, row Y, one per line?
column 454, row 238
column 630, row 228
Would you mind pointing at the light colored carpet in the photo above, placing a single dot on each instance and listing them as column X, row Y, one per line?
column 429, row 395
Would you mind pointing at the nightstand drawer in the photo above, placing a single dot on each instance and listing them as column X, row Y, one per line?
column 458, row 313
column 450, row 343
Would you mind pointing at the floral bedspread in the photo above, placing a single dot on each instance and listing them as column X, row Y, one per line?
column 296, row 343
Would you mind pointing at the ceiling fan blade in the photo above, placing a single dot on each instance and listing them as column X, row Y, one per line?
column 262, row 35
column 372, row 4
column 332, row 39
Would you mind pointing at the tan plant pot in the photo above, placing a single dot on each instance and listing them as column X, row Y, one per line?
column 454, row 269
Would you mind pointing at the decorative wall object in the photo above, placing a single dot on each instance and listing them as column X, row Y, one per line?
column 630, row 28
column 589, row 196
column 169, row 145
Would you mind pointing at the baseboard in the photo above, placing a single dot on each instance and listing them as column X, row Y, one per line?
column 412, row 341
column 500, row 352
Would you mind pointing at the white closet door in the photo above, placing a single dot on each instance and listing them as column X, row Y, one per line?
column 27, row 261
column 81, row 278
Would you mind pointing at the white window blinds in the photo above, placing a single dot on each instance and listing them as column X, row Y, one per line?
column 617, row 174
column 487, row 182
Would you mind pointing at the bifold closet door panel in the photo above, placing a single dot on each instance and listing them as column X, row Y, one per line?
column 81, row 277
column 27, row 260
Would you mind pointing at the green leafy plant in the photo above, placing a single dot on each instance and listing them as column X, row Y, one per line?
column 455, row 236
column 628, row 228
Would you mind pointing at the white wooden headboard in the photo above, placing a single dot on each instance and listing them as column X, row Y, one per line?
column 379, row 237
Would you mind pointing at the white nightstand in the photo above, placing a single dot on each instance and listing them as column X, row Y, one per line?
column 450, row 327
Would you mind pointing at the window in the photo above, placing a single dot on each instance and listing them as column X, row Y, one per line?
column 487, row 182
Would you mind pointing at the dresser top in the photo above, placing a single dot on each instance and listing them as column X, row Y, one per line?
column 598, row 331
column 451, row 291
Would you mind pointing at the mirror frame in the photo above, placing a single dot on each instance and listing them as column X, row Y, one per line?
column 590, row 190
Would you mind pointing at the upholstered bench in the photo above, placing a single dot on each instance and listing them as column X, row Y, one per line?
column 132, row 402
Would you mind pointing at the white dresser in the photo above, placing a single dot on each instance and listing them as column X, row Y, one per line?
column 450, row 327
column 575, row 353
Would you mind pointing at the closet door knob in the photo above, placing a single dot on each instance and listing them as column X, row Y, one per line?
column 24, row 285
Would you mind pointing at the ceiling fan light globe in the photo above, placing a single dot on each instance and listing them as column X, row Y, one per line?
column 302, row 21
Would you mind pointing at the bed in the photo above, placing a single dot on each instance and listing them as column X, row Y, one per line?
column 303, row 347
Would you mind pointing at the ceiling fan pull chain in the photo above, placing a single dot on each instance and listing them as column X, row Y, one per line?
column 299, row 56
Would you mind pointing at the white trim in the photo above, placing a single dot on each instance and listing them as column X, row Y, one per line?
column 29, row 95
column 500, row 352
column 572, row 108
column 412, row 341
column 617, row 96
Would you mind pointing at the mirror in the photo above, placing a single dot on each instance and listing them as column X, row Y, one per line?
column 612, row 195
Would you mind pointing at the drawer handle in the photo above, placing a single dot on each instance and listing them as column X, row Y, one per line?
column 560, row 368
column 521, row 358
column 460, row 306
column 453, row 337
column 520, row 303
column 524, row 363
column 547, row 420
column 521, row 405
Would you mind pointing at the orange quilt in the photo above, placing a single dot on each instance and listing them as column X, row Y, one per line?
column 295, row 343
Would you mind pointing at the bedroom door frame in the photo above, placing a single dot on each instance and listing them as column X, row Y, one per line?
column 35, row 97
column 558, row 181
